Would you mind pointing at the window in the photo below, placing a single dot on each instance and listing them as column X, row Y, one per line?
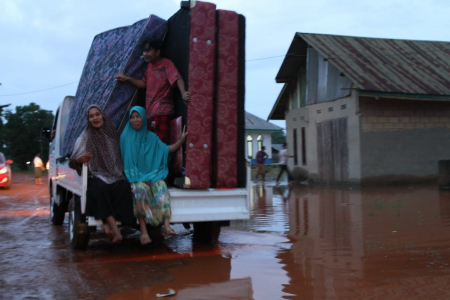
column 322, row 80
column 295, row 146
column 260, row 140
column 249, row 146
column 303, row 146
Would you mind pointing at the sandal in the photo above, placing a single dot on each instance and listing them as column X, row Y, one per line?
column 145, row 239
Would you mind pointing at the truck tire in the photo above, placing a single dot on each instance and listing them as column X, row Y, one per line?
column 57, row 212
column 206, row 232
column 78, row 228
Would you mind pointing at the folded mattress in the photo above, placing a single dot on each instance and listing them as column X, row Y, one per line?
column 225, row 156
column 114, row 51
column 208, row 48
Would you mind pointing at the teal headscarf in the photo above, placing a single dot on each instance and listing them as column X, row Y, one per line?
column 144, row 155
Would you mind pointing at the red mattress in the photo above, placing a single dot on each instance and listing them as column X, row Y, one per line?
column 225, row 156
column 201, row 85
column 175, row 135
column 208, row 48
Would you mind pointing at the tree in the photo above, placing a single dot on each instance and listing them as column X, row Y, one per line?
column 22, row 134
column 278, row 137
column 2, row 139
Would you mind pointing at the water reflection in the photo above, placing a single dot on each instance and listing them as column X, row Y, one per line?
column 302, row 243
column 203, row 273
column 377, row 243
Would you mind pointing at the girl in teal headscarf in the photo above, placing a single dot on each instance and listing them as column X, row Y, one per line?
column 145, row 165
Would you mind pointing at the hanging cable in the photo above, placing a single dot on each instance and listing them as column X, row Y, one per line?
column 39, row 90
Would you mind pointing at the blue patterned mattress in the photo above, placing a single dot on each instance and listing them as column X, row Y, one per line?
column 114, row 51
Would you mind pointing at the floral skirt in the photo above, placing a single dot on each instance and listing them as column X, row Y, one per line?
column 152, row 201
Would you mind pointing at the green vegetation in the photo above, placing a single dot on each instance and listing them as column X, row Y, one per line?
column 278, row 137
column 21, row 135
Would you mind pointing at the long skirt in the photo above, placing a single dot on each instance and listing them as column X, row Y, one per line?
column 152, row 202
column 105, row 200
column 37, row 172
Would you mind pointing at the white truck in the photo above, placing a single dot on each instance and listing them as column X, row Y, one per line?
column 206, row 209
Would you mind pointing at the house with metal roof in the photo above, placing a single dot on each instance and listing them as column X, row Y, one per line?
column 257, row 134
column 365, row 110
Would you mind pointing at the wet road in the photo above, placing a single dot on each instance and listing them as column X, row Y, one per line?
column 307, row 243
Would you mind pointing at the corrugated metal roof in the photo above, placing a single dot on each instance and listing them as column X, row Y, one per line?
column 253, row 122
column 387, row 65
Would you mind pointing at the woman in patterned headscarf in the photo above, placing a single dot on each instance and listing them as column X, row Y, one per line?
column 145, row 165
column 108, row 193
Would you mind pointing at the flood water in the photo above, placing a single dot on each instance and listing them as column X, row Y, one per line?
column 303, row 243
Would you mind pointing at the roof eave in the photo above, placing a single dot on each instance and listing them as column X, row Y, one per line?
column 277, row 102
column 294, row 56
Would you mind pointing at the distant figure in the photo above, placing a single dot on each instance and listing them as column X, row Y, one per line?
column 38, row 168
column 159, row 79
column 261, row 156
column 283, row 155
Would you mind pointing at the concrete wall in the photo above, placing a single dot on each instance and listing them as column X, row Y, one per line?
column 267, row 143
column 403, row 140
column 308, row 117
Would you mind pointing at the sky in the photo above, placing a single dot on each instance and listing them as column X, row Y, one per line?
column 44, row 43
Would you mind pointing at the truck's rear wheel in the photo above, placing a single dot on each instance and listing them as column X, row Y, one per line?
column 206, row 232
column 78, row 228
column 57, row 212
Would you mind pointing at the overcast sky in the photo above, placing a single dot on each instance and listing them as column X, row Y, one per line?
column 44, row 43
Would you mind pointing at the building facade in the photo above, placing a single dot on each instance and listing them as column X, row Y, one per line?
column 364, row 110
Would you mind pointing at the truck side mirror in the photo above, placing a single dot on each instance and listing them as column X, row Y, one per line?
column 9, row 161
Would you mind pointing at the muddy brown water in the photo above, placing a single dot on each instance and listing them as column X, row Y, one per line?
column 306, row 243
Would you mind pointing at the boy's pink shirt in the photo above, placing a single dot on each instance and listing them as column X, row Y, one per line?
column 160, row 78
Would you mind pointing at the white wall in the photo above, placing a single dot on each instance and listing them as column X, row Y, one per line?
column 267, row 143
column 308, row 117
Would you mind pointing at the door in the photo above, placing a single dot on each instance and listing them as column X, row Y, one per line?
column 332, row 150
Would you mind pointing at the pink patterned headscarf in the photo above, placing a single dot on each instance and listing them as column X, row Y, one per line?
column 103, row 144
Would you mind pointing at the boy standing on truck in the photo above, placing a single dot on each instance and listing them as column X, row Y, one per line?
column 159, row 79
